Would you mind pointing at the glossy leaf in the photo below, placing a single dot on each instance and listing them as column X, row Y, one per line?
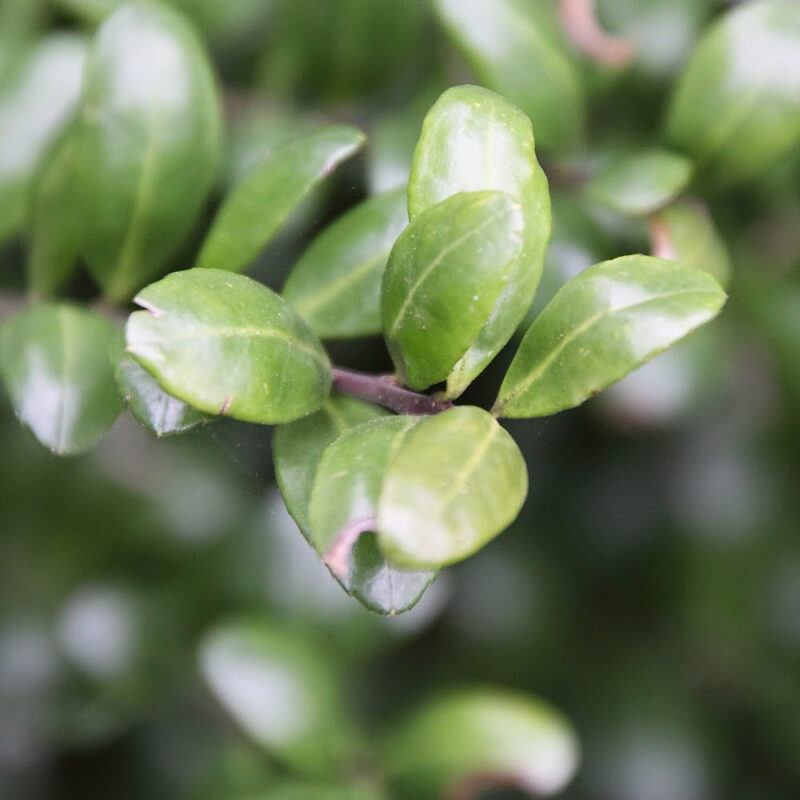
column 158, row 411
column 37, row 99
column 443, row 279
column 148, row 143
column 516, row 49
column 55, row 361
column 456, row 481
column 263, row 199
column 225, row 344
column 480, row 739
column 473, row 140
column 281, row 691
column 736, row 109
column 602, row 324
column 298, row 448
column 640, row 183
column 336, row 284
column 345, row 494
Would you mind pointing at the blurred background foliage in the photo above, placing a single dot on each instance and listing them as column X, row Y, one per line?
column 651, row 587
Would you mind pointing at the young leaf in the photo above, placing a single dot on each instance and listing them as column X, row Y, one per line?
column 148, row 143
column 479, row 739
column 343, row 506
column 298, row 448
column 515, row 48
column 641, row 183
column 281, row 691
column 456, row 481
column 262, row 200
column 225, row 344
column 473, row 139
column 336, row 284
column 737, row 106
column 56, row 364
column 442, row 281
column 602, row 324
column 158, row 411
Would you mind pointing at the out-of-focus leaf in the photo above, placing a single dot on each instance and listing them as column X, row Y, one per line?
column 55, row 361
column 92, row 12
column 37, row 98
column 282, row 692
column 516, row 48
column 443, row 279
column 315, row 791
column 298, row 448
column 336, row 284
column 345, row 495
column 687, row 231
column 225, row 344
column 640, row 183
column 158, row 411
column 148, row 140
column 473, row 140
column 481, row 739
column 737, row 106
column 456, row 481
column 602, row 324
column 259, row 204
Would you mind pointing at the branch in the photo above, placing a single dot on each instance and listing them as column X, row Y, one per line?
column 660, row 242
column 384, row 390
column 579, row 19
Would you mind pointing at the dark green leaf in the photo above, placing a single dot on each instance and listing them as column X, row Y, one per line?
column 225, row 344
column 640, row 183
column 148, row 143
column 737, row 107
column 259, row 204
column 456, row 481
column 56, row 364
column 443, row 279
column 344, row 502
column 336, row 284
column 602, row 324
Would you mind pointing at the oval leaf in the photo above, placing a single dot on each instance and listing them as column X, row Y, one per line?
column 225, row 344
column 471, row 740
column 148, row 141
column 737, row 106
column 473, row 139
column 516, row 48
column 641, row 183
column 342, row 513
column 262, row 200
column 336, row 284
column 56, row 364
column 443, row 278
column 600, row 325
column 456, row 481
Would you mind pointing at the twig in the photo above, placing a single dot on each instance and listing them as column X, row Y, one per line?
column 579, row 19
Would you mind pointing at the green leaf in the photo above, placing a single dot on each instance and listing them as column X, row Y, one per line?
column 602, row 324
column 282, row 691
column 298, row 448
column 56, row 364
column 293, row 790
column 482, row 738
column 641, row 183
column 456, row 481
column 344, row 501
column 225, row 344
column 262, row 200
column 148, row 143
column 158, row 411
column 37, row 99
column 442, row 281
column 688, row 232
column 336, row 284
column 516, row 49
column 472, row 140
column 736, row 109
